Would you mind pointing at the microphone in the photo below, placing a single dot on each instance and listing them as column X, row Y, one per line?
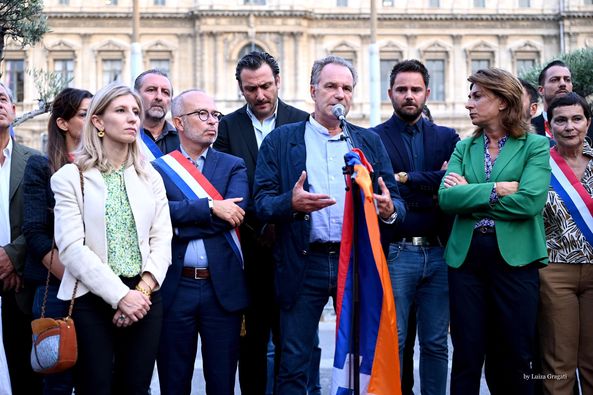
column 339, row 111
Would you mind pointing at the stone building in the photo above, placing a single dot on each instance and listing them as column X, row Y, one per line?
column 199, row 42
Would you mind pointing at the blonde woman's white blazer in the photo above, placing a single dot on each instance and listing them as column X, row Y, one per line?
column 81, row 237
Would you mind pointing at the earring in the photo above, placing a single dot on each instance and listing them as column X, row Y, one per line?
column 101, row 133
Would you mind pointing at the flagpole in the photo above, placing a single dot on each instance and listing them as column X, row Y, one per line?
column 356, row 292
column 354, row 371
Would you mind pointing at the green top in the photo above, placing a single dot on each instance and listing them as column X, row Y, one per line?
column 123, row 251
column 519, row 222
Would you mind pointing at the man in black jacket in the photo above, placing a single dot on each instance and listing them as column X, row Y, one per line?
column 555, row 80
column 241, row 133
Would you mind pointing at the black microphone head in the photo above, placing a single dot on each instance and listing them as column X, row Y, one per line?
column 339, row 111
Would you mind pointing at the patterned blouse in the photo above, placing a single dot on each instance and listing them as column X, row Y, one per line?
column 123, row 251
column 566, row 243
column 488, row 165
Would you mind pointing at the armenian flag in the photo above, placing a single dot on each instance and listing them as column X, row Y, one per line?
column 378, row 344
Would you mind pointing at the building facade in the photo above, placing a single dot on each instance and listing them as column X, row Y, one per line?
column 199, row 42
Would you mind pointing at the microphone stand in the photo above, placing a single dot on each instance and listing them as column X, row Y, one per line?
column 354, row 371
column 346, row 132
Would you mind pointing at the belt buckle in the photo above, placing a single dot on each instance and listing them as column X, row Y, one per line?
column 418, row 241
column 196, row 271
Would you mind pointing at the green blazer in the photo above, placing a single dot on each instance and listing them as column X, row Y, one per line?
column 519, row 223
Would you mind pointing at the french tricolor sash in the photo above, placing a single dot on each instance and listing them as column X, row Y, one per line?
column 192, row 183
column 149, row 147
column 578, row 202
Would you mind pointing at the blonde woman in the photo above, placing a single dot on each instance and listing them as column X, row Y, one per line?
column 114, row 237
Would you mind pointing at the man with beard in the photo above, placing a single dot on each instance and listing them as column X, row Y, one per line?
column 555, row 80
column 530, row 98
column 159, row 137
column 419, row 151
column 240, row 133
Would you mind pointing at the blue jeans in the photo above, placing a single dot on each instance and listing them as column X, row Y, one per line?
column 419, row 275
column 313, row 385
column 298, row 325
column 59, row 383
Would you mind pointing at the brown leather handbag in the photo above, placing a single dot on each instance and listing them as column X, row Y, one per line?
column 54, row 339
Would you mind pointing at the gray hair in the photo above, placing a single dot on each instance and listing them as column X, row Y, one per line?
column 177, row 103
column 319, row 64
column 8, row 92
column 139, row 81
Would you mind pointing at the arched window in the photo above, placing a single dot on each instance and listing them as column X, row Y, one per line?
column 249, row 48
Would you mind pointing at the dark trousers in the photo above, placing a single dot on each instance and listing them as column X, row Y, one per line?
column 493, row 319
column 114, row 360
column 261, row 317
column 16, row 334
column 196, row 310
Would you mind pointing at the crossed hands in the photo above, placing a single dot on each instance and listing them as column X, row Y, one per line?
column 503, row 188
column 131, row 308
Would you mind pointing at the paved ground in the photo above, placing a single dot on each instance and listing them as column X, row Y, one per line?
column 326, row 339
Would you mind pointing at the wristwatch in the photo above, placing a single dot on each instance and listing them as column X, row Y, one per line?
column 211, row 205
column 391, row 219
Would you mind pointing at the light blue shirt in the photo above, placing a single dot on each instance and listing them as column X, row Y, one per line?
column 325, row 159
column 195, row 255
column 262, row 129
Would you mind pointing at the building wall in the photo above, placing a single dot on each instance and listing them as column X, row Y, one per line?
column 201, row 41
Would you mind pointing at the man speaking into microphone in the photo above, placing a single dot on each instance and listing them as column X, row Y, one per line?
column 300, row 187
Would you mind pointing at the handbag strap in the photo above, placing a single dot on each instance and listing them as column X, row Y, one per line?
column 51, row 259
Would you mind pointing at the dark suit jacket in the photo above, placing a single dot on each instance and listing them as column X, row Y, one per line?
column 423, row 217
column 538, row 125
column 38, row 219
column 281, row 160
column 191, row 220
column 17, row 248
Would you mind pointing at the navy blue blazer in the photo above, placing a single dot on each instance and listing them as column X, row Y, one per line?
column 421, row 189
column 191, row 220
column 282, row 158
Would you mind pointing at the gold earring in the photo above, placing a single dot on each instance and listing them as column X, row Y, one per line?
column 101, row 133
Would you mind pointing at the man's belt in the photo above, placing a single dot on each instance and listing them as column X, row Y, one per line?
column 197, row 273
column 325, row 248
column 431, row 241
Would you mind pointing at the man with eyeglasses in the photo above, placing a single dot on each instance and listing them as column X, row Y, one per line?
column 204, row 291
column 240, row 134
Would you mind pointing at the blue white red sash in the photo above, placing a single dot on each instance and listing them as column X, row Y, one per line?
column 578, row 202
column 149, row 147
column 192, row 183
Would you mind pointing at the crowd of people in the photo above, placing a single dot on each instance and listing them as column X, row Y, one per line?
column 228, row 228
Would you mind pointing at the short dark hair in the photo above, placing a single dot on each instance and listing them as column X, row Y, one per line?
column 253, row 61
column 138, row 81
column 542, row 75
column 531, row 91
column 409, row 66
column 570, row 99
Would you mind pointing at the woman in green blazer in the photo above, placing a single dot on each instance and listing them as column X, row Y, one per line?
column 496, row 184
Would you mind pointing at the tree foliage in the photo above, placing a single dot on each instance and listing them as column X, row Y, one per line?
column 48, row 85
column 23, row 21
column 579, row 62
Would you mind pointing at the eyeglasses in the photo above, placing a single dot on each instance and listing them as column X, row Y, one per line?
column 204, row 115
